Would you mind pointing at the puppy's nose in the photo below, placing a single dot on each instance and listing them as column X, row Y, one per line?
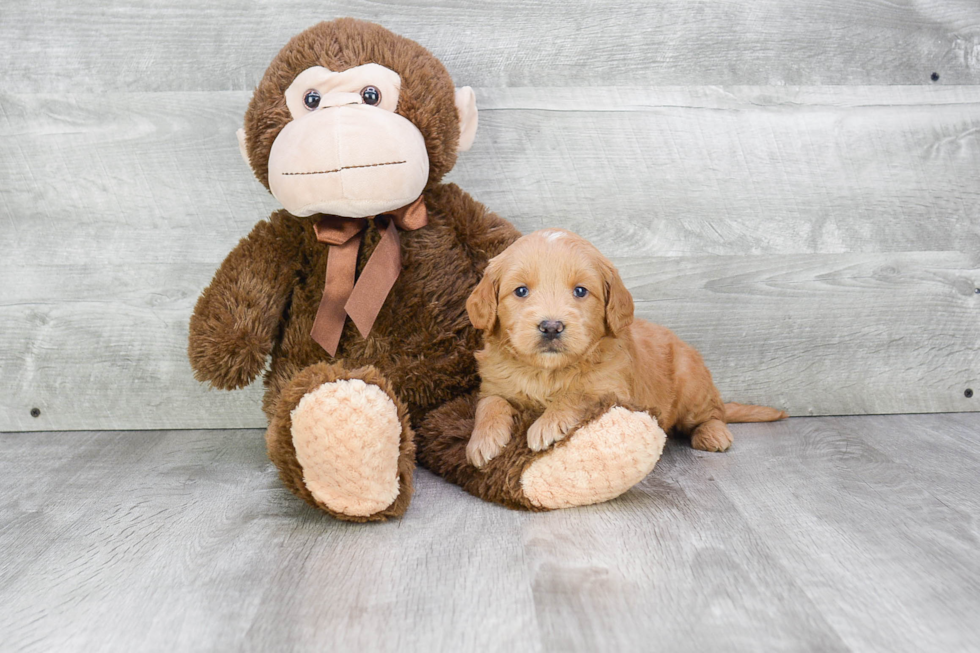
column 551, row 329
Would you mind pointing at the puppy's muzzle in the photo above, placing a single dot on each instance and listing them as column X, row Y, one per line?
column 551, row 329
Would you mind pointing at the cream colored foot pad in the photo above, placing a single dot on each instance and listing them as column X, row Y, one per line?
column 347, row 434
column 600, row 462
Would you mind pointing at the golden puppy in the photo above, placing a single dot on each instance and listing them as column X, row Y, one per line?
column 559, row 333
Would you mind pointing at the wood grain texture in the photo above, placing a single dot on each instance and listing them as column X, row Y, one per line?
column 871, row 517
column 728, row 171
column 188, row 541
column 180, row 45
column 669, row 566
column 824, row 334
column 813, row 334
column 645, row 171
column 817, row 244
column 830, row 534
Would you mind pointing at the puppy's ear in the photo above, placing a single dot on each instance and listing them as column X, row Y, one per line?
column 619, row 302
column 481, row 305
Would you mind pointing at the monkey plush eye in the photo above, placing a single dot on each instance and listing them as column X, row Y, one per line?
column 580, row 291
column 370, row 95
column 521, row 291
column 311, row 99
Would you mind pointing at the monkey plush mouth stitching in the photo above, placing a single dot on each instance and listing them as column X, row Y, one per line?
column 327, row 172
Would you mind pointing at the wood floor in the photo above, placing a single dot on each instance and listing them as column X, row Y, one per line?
column 816, row 534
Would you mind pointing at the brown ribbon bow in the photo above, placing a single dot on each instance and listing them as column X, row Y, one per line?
column 363, row 301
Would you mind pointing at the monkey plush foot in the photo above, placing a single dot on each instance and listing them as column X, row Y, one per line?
column 349, row 449
column 346, row 435
column 599, row 462
column 614, row 449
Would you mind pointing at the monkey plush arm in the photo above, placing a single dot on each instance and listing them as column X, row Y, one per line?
column 235, row 321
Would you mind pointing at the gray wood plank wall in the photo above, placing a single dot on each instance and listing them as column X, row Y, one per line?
column 782, row 183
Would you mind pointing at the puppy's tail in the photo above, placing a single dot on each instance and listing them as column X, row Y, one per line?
column 736, row 413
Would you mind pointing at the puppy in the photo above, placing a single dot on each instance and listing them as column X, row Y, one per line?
column 559, row 334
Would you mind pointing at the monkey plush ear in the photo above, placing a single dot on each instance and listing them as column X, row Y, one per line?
column 241, row 146
column 481, row 305
column 466, row 108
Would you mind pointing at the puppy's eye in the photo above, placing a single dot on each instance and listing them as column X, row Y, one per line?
column 580, row 291
column 371, row 95
column 311, row 99
column 521, row 291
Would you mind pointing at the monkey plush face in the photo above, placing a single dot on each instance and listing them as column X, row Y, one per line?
column 353, row 136
column 346, row 152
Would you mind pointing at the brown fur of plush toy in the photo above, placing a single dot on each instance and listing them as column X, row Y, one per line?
column 443, row 436
column 263, row 299
column 418, row 356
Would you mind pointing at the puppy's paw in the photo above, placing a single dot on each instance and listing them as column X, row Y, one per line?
column 491, row 431
column 549, row 428
column 713, row 435
column 486, row 444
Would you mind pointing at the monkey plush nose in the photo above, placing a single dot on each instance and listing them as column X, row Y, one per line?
column 551, row 329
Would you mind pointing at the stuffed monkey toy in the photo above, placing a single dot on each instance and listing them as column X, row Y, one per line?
column 352, row 298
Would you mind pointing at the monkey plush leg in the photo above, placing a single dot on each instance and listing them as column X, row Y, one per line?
column 600, row 461
column 614, row 449
column 342, row 441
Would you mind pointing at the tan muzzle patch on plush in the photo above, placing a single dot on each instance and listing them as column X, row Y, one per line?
column 347, row 152
column 351, row 160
